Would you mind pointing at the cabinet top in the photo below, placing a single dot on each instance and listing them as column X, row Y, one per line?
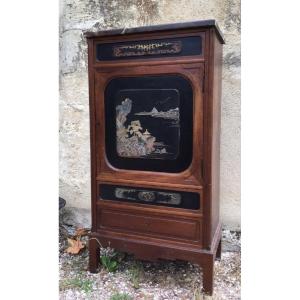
column 162, row 27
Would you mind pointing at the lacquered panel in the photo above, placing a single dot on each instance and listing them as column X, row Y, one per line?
column 181, row 46
column 149, row 123
column 179, row 199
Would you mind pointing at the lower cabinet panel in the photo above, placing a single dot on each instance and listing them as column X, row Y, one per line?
column 158, row 226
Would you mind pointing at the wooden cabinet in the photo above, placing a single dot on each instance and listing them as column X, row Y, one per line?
column 155, row 130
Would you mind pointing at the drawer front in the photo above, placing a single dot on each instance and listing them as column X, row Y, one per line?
column 159, row 226
column 149, row 196
column 151, row 48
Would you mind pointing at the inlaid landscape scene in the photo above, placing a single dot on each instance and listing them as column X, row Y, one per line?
column 148, row 123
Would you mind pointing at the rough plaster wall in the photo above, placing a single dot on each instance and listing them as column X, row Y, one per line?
column 77, row 16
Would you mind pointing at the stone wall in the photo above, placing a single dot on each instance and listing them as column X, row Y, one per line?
column 78, row 16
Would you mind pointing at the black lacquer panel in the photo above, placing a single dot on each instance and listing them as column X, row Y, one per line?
column 187, row 200
column 184, row 46
column 149, row 123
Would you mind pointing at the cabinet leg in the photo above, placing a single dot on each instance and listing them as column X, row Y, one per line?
column 208, row 277
column 94, row 255
column 219, row 250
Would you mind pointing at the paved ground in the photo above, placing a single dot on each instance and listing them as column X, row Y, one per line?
column 165, row 280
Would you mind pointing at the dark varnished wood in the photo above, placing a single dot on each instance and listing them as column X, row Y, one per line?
column 157, row 232
column 191, row 176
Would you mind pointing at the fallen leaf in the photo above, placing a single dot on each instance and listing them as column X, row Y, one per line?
column 81, row 231
column 74, row 246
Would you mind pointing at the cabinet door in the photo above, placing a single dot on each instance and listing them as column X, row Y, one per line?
column 150, row 122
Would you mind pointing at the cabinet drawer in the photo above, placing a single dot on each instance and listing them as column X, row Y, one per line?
column 150, row 196
column 159, row 226
column 165, row 47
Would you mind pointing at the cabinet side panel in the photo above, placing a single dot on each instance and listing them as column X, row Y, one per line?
column 216, row 126
column 92, row 131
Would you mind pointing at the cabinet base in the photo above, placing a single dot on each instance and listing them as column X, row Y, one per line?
column 152, row 251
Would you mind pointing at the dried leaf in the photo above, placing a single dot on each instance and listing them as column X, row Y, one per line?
column 81, row 231
column 74, row 246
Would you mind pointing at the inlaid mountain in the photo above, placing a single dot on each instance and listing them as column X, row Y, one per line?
column 173, row 113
